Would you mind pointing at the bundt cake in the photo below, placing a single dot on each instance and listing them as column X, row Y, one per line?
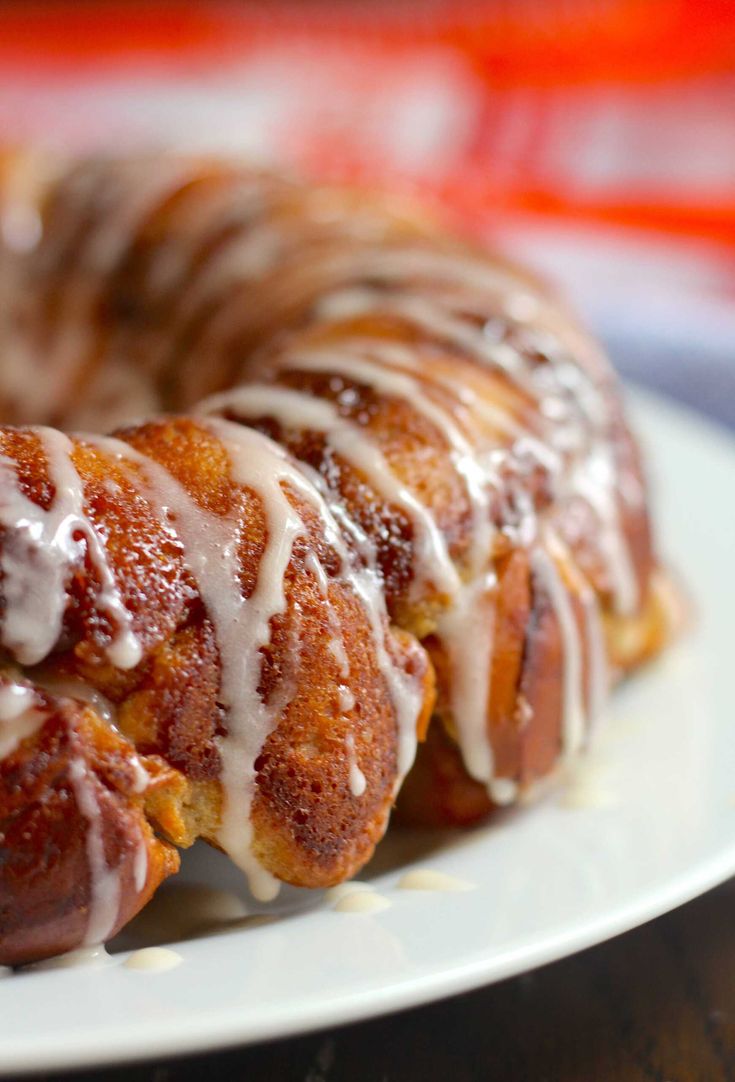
column 368, row 485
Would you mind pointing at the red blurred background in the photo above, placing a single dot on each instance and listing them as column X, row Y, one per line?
column 595, row 137
column 614, row 109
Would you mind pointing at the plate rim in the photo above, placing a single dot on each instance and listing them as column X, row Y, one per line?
column 112, row 1045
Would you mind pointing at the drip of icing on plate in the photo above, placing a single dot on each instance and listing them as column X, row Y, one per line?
column 430, row 880
column 361, row 901
column 153, row 959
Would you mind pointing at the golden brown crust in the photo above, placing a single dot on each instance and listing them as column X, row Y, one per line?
column 310, row 828
column 159, row 281
column 45, row 882
column 438, row 792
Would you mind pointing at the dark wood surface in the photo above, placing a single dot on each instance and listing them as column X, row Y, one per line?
column 655, row 1005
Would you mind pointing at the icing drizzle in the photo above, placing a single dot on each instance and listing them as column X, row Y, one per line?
column 41, row 548
column 454, row 300
column 242, row 625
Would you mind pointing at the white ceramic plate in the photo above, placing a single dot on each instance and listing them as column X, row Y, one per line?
column 655, row 828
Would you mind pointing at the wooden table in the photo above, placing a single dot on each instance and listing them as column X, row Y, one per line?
column 655, row 1005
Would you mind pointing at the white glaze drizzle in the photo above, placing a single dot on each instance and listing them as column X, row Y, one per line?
column 40, row 550
column 410, row 362
column 414, row 271
column 20, row 717
column 573, row 712
column 428, row 314
column 469, row 611
column 250, row 255
column 83, row 958
column 405, row 692
column 405, row 695
column 503, row 791
column 20, row 226
column 71, row 687
column 346, row 698
column 140, row 865
column 280, row 402
column 598, row 675
column 379, row 375
column 297, row 409
column 75, row 688
column 469, row 616
column 594, row 476
column 82, row 264
column 336, row 645
column 594, row 480
column 104, row 881
column 242, row 626
column 174, row 272
column 15, row 699
column 358, row 782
